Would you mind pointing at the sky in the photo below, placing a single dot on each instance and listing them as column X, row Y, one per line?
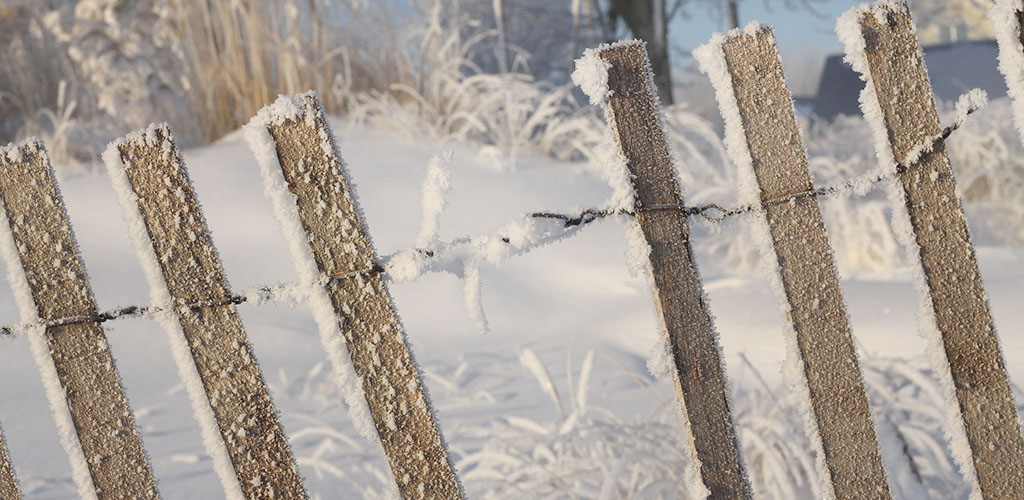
column 795, row 29
column 804, row 38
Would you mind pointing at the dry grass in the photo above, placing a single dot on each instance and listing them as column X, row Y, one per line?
column 240, row 55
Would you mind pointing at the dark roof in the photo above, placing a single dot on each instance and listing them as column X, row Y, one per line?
column 954, row 68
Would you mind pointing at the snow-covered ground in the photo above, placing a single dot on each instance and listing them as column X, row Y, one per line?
column 553, row 400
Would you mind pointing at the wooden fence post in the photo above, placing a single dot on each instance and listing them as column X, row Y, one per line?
column 902, row 111
column 747, row 74
column 634, row 114
column 8, row 481
column 333, row 252
column 186, row 275
column 51, row 286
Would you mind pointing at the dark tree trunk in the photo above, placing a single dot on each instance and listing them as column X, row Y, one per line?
column 647, row 20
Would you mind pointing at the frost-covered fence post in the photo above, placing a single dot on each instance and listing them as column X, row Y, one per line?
column 50, row 285
column 982, row 420
column 764, row 142
column 230, row 399
column 8, row 481
column 634, row 114
column 1007, row 17
column 314, row 201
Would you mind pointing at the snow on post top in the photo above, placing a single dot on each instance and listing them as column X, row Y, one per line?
column 284, row 109
column 705, row 53
column 150, row 136
column 591, row 73
column 156, row 134
column 849, row 32
column 752, row 28
column 306, row 107
column 16, row 151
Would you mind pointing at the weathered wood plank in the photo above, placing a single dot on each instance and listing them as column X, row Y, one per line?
column 950, row 271
column 773, row 151
column 8, row 481
column 340, row 245
column 54, row 274
column 701, row 385
column 193, row 276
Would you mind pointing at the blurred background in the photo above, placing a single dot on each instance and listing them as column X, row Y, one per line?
column 494, row 72
column 558, row 401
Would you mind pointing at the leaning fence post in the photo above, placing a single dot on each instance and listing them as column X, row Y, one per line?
column 332, row 251
column 8, row 481
column 51, row 287
column 634, row 115
column 764, row 143
column 983, row 421
column 230, row 399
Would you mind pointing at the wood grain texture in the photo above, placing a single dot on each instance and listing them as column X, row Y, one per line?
column 701, row 385
column 807, row 271
column 956, row 293
column 223, row 357
column 8, row 481
column 341, row 246
column 53, row 267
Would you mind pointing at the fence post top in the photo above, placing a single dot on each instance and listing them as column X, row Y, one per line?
column 881, row 9
column 287, row 108
column 15, row 151
column 753, row 28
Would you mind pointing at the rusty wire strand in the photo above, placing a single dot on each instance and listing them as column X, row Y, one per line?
column 711, row 212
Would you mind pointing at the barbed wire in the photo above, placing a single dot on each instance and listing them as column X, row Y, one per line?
column 913, row 159
column 712, row 212
column 138, row 311
column 715, row 213
column 258, row 294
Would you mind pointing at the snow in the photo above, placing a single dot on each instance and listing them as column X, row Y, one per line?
column 591, row 75
column 472, row 295
column 1006, row 27
column 966, row 104
column 167, row 317
column 848, row 29
column 561, row 301
column 436, row 184
column 37, row 337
